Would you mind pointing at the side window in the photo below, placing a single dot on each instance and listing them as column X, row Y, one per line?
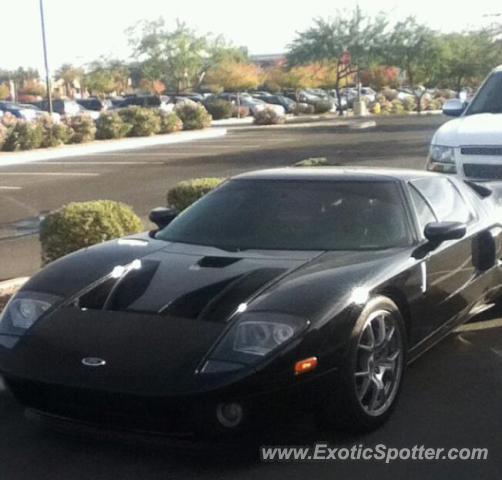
column 445, row 199
column 424, row 212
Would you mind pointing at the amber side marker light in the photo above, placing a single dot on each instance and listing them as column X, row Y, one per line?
column 306, row 365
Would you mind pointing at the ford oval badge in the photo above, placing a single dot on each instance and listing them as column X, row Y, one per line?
column 93, row 362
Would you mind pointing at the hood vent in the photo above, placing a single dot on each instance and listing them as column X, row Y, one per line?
column 217, row 262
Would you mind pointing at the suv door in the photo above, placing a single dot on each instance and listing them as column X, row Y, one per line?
column 448, row 271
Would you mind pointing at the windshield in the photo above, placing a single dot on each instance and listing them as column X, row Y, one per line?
column 489, row 97
column 295, row 215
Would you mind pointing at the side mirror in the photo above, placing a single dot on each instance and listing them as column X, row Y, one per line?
column 454, row 107
column 162, row 216
column 439, row 232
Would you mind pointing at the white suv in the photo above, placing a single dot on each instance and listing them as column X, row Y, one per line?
column 471, row 145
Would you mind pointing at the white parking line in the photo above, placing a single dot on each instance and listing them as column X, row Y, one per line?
column 54, row 174
column 7, row 187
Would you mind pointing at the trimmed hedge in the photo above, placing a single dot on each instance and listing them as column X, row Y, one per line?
column 144, row 122
column 23, row 136
column 53, row 134
column 194, row 117
column 82, row 127
column 268, row 116
column 80, row 225
column 187, row 192
column 313, row 162
column 169, row 122
column 304, row 109
column 110, row 125
column 4, row 132
column 219, row 109
column 323, row 106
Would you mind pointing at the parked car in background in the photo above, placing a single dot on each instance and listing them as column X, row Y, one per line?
column 255, row 105
column 471, row 146
column 285, row 102
column 161, row 102
column 350, row 95
column 67, row 108
column 177, row 100
column 195, row 97
column 260, row 93
column 21, row 111
column 115, row 101
column 94, row 103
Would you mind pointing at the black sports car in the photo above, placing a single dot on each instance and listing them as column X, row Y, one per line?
column 281, row 290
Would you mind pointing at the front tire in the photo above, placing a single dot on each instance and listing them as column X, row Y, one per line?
column 372, row 371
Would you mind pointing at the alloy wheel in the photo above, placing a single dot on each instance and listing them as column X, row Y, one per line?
column 379, row 363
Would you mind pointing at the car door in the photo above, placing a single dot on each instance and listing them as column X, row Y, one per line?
column 448, row 272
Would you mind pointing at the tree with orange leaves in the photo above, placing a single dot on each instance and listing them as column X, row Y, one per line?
column 233, row 76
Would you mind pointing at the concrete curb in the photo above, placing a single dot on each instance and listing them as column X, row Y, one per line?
column 233, row 122
column 14, row 283
column 104, row 146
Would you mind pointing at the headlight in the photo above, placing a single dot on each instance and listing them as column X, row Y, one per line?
column 253, row 337
column 23, row 310
column 441, row 159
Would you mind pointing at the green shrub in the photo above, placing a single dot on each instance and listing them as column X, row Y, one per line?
column 187, row 192
column 54, row 133
column 83, row 128
column 110, row 125
column 8, row 120
column 23, row 136
column 194, row 117
column 4, row 132
column 304, row 109
column 219, row 109
column 268, row 116
column 240, row 112
column 169, row 122
column 410, row 104
column 80, row 225
column 390, row 94
column 376, row 108
column 144, row 121
column 313, row 162
column 434, row 104
column 397, row 107
column 322, row 106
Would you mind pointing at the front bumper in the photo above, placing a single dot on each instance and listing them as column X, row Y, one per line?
column 472, row 162
column 175, row 415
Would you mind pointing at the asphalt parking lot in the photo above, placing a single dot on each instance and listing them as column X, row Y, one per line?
column 141, row 178
column 451, row 396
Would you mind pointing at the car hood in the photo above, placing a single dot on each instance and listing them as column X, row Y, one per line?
column 151, row 323
column 151, row 276
column 480, row 129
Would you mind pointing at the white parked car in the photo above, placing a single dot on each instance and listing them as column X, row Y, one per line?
column 471, row 145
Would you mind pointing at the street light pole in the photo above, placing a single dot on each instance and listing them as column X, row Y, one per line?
column 46, row 61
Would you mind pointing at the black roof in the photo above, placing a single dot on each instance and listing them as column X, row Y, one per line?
column 336, row 173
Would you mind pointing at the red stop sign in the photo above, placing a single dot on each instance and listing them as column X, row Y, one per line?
column 346, row 57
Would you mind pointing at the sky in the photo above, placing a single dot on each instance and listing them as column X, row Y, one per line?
column 79, row 31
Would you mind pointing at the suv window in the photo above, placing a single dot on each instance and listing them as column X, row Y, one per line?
column 489, row 97
column 424, row 211
column 445, row 199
